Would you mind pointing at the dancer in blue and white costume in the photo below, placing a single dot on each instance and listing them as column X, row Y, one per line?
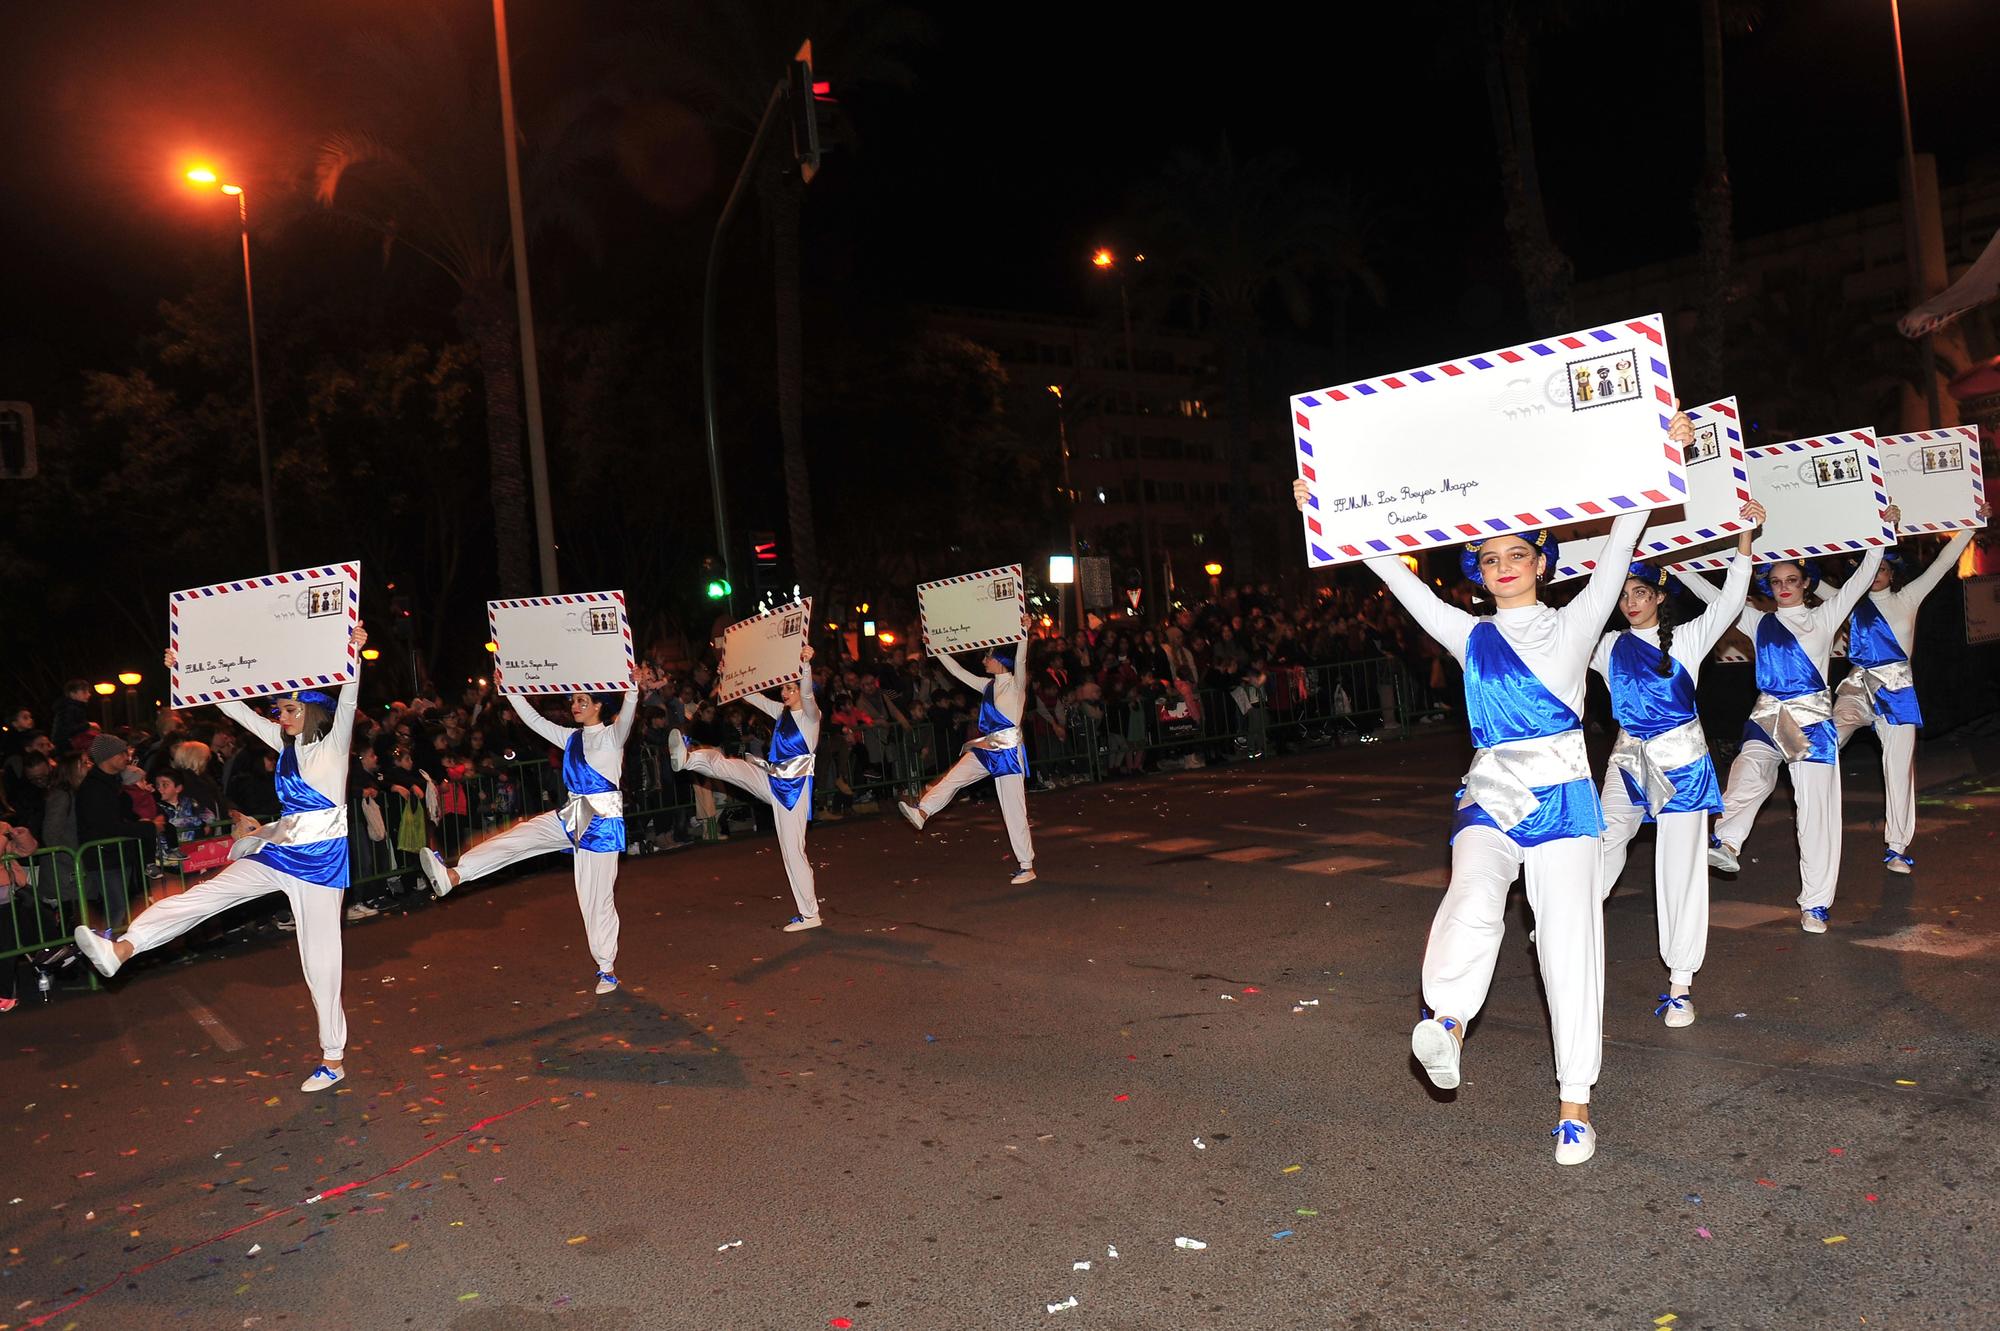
column 589, row 827
column 1791, row 724
column 998, row 752
column 783, row 778
column 303, row 855
column 1880, row 691
column 1660, row 771
column 1529, row 805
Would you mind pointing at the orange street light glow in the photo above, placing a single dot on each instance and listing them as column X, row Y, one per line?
column 104, row 690
column 1213, row 570
column 129, row 678
column 232, row 189
column 1102, row 259
column 201, row 175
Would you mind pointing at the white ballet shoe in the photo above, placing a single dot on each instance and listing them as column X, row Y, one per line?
column 434, row 870
column 1437, row 1048
column 677, row 750
column 911, row 814
column 799, row 923
column 1723, row 857
column 1576, row 1141
column 1676, row 1010
column 323, row 1077
column 1024, row 876
column 1813, row 919
column 606, row 982
column 98, row 948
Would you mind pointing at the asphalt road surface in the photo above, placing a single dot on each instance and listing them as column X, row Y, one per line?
column 933, row 1111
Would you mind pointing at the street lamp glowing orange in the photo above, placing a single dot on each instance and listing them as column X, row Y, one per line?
column 104, row 690
column 130, row 678
column 1102, row 259
column 232, row 189
column 201, row 175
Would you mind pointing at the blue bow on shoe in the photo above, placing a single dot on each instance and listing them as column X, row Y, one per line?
column 1820, row 913
column 1893, row 856
column 1448, row 1023
column 1670, row 1001
column 1570, row 1131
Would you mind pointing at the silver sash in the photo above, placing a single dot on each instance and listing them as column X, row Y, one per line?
column 1650, row 760
column 294, row 829
column 1008, row 737
column 788, row 770
column 1866, row 681
column 1501, row 779
column 1786, row 720
column 583, row 810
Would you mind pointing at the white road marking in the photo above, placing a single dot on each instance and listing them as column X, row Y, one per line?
column 1438, row 878
column 1337, row 864
column 1747, row 914
column 1929, row 938
column 211, row 1025
column 1177, row 845
column 1251, row 854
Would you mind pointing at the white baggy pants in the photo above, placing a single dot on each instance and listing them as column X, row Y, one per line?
column 316, row 909
column 1013, row 793
column 1899, row 767
column 1816, row 793
column 1680, row 873
column 1564, row 891
column 596, row 876
column 791, row 823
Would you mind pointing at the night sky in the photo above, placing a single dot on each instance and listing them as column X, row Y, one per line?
column 1019, row 147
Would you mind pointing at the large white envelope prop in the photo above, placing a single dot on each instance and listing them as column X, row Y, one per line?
column 762, row 652
column 1717, row 489
column 276, row 634
column 1934, row 478
column 1560, row 430
column 580, row 643
column 1821, row 496
column 973, row 611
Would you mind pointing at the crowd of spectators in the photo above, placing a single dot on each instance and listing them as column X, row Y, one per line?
column 1114, row 698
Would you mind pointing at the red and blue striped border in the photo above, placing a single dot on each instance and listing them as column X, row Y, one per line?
column 569, row 598
column 350, row 571
column 804, row 605
column 1862, row 439
column 1020, row 599
column 1648, row 328
column 1968, row 435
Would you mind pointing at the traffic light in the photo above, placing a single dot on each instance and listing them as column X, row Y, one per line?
column 17, row 441
column 765, row 573
column 800, row 91
column 717, row 588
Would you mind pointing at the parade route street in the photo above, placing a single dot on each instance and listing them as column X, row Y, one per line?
column 928, row 1113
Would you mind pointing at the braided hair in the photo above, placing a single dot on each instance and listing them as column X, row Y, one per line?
column 1655, row 577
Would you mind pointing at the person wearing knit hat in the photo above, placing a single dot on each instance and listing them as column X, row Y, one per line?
column 1791, row 724
column 998, row 751
column 107, row 746
column 1879, row 690
column 1660, row 771
column 589, row 827
column 303, row 855
column 1529, row 807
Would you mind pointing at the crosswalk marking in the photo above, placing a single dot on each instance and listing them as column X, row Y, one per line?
column 1929, row 938
column 1336, row 864
column 1250, row 854
column 1438, row 878
column 1747, row 914
column 1176, row 845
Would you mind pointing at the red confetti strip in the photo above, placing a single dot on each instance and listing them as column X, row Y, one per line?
column 1121, row 1097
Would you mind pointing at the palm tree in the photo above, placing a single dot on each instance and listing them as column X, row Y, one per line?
column 1232, row 235
column 1546, row 271
column 421, row 167
column 724, row 59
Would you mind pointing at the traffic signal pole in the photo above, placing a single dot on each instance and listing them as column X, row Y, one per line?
column 708, row 312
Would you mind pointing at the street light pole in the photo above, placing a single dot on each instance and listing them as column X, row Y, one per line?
column 1912, row 227
column 1069, row 497
column 531, row 383
column 257, row 382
